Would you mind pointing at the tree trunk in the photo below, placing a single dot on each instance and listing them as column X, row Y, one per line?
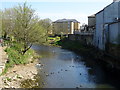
column 26, row 49
column 5, row 35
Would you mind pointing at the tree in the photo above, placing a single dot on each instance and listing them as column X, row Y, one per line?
column 7, row 22
column 27, row 30
column 47, row 24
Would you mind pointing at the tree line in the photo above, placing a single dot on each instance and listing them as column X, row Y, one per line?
column 23, row 26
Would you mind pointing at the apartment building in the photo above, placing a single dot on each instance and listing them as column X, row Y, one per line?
column 65, row 26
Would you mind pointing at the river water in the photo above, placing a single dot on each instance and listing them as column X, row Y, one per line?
column 65, row 69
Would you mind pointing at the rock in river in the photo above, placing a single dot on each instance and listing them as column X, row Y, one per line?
column 47, row 74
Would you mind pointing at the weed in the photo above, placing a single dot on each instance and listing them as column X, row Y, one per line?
column 16, row 58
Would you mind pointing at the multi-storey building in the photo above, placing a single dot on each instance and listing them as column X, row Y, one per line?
column 65, row 26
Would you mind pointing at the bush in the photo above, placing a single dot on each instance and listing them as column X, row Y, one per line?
column 16, row 58
column 53, row 40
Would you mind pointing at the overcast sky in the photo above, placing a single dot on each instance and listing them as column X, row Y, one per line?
column 59, row 9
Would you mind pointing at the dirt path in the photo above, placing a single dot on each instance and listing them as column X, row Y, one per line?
column 3, row 59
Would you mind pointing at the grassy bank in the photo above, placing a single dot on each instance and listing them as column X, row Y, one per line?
column 53, row 41
column 79, row 48
column 91, row 52
column 87, row 51
column 16, row 58
column 75, row 46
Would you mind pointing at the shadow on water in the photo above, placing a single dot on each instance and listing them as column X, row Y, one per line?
column 65, row 69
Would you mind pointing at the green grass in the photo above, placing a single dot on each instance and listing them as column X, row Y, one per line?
column 15, row 58
column 72, row 45
column 68, row 44
column 8, row 79
column 53, row 40
column 76, row 46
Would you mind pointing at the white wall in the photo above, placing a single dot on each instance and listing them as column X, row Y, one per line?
column 113, row 33
column 111, row 12
column 72, row 28
column 108, row 15
column 99, row 31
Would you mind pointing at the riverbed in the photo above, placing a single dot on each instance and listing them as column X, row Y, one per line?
column 65, row 69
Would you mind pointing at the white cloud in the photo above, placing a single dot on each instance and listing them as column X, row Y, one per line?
column 56, row 0
column 81, row 17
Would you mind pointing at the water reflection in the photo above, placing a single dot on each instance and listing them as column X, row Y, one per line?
column 65, row 69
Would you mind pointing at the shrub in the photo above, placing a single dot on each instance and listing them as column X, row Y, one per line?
column 16, row 58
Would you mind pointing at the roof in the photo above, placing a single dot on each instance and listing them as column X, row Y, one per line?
column 99, row 12
column 66, row 20
column 92, row 16
column 116, row 0
column 107, row 6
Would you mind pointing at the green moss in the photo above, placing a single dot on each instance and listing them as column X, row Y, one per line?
column 8, row 79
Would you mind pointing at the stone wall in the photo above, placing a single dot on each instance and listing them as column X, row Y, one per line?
column 114, row 50
column 84, row 38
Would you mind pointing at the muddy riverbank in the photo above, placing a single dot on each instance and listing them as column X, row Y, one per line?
column 61, row 69
column 14, row 77
column 108, row 61
column 19, row 73
column 66, row 69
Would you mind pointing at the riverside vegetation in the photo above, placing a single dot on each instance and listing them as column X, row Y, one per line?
column 18, row 67
column 21, row 28
column 15, row 58
column 88, row 51
column 71, row 45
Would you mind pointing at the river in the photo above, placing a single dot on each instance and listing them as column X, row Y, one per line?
column 65, row 69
